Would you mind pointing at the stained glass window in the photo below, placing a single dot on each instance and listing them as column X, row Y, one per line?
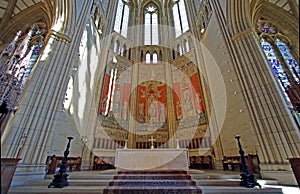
column 276, row 65
column 292, row 64
column 276, row 48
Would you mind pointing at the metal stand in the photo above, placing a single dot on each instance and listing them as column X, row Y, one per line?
column 60, row 179
column 247, row 179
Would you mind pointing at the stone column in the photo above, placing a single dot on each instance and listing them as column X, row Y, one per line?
column 133, row 101
column 31, row 130
column 274, row 128
column 171, row 116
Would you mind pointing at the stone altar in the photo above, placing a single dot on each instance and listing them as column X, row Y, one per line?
column 152, row 159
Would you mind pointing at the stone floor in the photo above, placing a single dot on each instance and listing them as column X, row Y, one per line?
column 210, row 181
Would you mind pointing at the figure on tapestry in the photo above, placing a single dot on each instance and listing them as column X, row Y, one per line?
column 116, row 104
column 162, row 113
column 104, row 105
column 188, row 109
column 141, row 112
column 178, row 110
column 198, row 103
column 125, row 111
column 153, row 112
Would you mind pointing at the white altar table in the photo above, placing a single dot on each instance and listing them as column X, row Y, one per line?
column 146, row 159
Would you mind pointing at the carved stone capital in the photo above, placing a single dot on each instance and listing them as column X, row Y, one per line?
column 242, row 35
column 59, row 36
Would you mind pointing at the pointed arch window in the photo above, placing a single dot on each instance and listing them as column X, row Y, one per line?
column 186, row 45
column 122, row 18
column 286, row 69
column 148, row 57
column 19, row 58
column 155, row 58
column 151, row 25
column 181, row 24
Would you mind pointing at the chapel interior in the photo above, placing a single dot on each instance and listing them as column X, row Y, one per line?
column 150, row 75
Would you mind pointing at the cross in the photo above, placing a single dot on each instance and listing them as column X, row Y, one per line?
column 152, row 140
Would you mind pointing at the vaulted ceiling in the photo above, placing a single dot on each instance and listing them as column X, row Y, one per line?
column 20, row 14
column 284, row 4
column 13, row 7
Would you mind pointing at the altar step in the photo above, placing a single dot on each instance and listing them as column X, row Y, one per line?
column 165, row 181
column 90, row 182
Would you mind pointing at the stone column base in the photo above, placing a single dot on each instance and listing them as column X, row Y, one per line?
column 283, row 177
column 27, row 173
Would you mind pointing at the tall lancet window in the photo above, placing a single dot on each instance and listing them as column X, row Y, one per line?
column 122, row 18
column 278, row 50
column 181, row 24
column 151, row 25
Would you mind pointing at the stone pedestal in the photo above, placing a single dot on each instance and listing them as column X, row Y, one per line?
column 152, row 159
column 8, row 167
column 295, row 163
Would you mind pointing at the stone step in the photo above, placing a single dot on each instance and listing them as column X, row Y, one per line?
column 64, row 190
column 152, row 183
column 96, row 181
column 100, row 190
column 199, row 182
column 238, row 190
column 156, row 190
column 153, row 177
column 150, row 172
column 83, row 183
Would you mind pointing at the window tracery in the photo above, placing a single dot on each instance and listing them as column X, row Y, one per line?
column 181, row 24
column 122, row 17
column 286, row 69
column 151, row 25
column 16, row 62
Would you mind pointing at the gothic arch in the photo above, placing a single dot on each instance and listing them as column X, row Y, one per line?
column 40, row 12
column 156, row 2
column 286, row 22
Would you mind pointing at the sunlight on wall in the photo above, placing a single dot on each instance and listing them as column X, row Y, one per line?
column 59, row 22
column 47, row 49
column 69, row 95
column 85, row 78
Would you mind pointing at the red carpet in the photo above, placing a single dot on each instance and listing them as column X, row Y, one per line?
column 154, row 182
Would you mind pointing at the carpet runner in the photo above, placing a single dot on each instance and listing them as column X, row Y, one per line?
column 154, row 182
